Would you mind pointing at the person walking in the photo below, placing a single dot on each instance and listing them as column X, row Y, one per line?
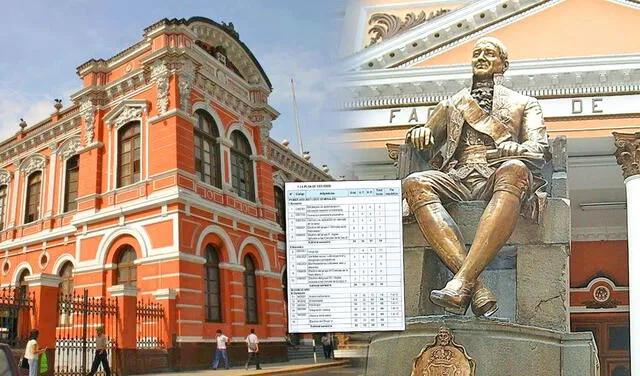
column 101, row 354
column 221, row 350
column 327, row 345
column 253, row 349
column 32, row 352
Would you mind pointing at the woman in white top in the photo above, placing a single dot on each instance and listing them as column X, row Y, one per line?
column 32, row 351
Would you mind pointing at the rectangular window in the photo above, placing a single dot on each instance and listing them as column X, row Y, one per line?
column 3, row 205
column 33, row 197
column 71, row 184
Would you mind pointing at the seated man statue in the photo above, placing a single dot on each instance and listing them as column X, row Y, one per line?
column 490, row 139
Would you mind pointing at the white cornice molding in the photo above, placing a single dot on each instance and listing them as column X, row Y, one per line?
column 453, row 29
column 43, row 279
column 540, row 78
column 421, row 39
column 599, row 233
column 123, row 290
column 125, row 111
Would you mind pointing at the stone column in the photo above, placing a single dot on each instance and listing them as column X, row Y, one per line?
column 45, row 288
column 167, row 298
column 628, row 157
column 126, row 335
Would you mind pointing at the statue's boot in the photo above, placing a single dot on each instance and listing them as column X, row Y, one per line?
column 496, row 225
column 444, row 236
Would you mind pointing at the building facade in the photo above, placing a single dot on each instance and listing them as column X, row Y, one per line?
column 160, row 183
column 580, row 58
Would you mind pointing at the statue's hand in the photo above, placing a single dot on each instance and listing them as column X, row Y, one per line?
column 420, row 137
column 510, row 149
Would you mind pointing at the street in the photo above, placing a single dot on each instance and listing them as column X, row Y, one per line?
column 338, row 371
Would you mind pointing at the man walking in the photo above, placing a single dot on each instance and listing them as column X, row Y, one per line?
column 253, row 349
column 101, row 354
column 327, row 345
column 221, row 350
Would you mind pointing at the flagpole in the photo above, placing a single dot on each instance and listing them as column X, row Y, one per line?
column 297, row 118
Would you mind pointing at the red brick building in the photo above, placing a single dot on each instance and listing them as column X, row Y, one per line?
column 160, row 183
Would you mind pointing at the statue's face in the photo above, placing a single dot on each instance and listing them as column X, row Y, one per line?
column 486, row 60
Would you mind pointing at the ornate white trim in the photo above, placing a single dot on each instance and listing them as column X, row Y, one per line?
column 69, row 147
column 43, row 279
column 549, row 78
column 160, row 76
column 87, row 109
column 126, row 111
column 599, row 233
column 44, row 254
column 33, row 163
column 279, row 178
column 186, row 78
column 261, row 250
column 5, row 177
column 222, row 234
column 61, row 260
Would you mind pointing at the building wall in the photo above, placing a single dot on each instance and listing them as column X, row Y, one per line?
column 169, row 216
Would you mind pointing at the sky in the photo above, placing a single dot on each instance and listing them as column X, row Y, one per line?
column 44, row 42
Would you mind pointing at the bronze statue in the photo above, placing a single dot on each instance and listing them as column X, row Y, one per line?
column 489, row 139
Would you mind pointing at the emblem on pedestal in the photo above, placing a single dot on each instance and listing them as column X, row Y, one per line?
column 443, row 357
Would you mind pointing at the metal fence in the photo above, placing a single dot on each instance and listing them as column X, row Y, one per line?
column 79, row 317
column 149, row 325
column 16, row 305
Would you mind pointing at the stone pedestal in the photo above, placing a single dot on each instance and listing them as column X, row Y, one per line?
column 497, row 348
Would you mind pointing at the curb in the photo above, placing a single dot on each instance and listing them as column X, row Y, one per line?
column 295, row 369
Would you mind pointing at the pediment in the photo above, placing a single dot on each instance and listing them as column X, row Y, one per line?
column 223, row 43
column 531, row 29
column 126, row 111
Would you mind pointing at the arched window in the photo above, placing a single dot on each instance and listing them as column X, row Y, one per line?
column 3, row 205
column 32, row 207
column 23, row 286
column 129, row 154
column 212, row 285
column 206, row 149
column 280, row 207
column 71, row 183
column 126, row 274
column 66, row 272
column 250, row 291
column 242, row 166
column 66, row 290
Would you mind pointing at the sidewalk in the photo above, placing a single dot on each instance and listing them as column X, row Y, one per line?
column 286, row 368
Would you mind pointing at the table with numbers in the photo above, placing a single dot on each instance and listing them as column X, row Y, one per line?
column 344, row 256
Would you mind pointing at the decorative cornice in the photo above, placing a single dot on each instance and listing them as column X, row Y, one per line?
column 125, row 112
column 599, row 233
column 284, row 159
column 88, row 110
column 33, row 163
column 123, row 290
column 47, row 132
column 70, row 147
column 186, row 78
column 387, row 26
column 5, row 177
column 165, row 294
column 160, row 76
column 627, row 153
column 442, row 33
column 49, row 280
column 550, row 78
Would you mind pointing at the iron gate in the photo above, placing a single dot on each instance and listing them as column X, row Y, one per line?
column 78, row 318
column 16, row 304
